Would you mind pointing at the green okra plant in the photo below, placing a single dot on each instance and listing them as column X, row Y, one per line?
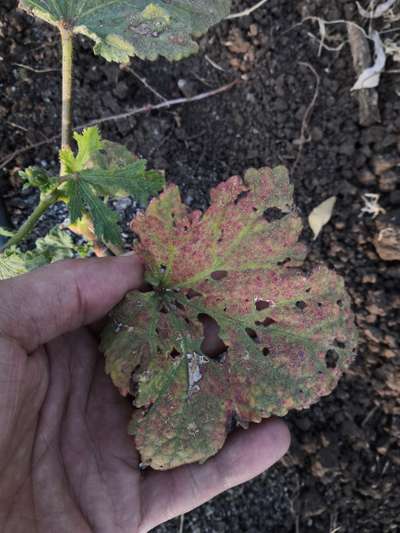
column 284, row 335
column 98, row 170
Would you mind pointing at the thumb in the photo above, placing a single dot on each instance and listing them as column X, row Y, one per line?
column 55, row 299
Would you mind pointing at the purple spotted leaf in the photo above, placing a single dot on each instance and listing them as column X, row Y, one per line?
column 285, row 336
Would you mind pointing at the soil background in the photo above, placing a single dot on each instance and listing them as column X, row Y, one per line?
column 343, row 469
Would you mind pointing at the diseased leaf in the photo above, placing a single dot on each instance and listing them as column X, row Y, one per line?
column 321, row 215
column 143, row 28
column 288, row 335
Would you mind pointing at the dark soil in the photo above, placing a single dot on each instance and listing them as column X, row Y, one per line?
column 343, row 469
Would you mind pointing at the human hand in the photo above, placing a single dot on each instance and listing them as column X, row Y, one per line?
column 67, row 463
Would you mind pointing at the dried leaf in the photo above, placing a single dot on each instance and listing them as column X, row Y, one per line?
column 140, row 28
column 288, row 336
column 321, row 215
column 371, row 76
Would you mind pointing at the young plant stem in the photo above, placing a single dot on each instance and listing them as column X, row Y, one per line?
column 28, row 226
column 67, row 77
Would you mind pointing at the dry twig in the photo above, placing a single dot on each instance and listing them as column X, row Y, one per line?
column 302, row 140
column 247, row 11
column 135, row 111
column 145, row 83
column 36, row 70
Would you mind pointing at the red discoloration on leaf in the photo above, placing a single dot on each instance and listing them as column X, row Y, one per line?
column 220, row 264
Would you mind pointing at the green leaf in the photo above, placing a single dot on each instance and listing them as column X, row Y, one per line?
column 132, row 180
column 105, row 220
column 11, row 265
column 112, row 156
column 143, row 28
column 285, row 336
column 5, row 232
column 38, row 178
column 89, row 143
column 55, row 246
column 68, row 160
column 105, row 169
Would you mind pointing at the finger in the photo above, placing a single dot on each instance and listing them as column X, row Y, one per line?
column 246, row 454
column 58, row 298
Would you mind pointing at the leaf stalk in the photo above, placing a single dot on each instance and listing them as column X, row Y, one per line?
column 46, row 202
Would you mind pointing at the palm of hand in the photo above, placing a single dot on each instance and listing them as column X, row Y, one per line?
column 73, row 466
column 66, row 461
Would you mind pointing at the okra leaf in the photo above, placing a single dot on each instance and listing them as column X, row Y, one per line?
column 81, row 198
column 131, row 180
column 285, row 335
column 104, row 169
column 89, row 143
column 55, row 246
column 122, row 29
column 11, row 265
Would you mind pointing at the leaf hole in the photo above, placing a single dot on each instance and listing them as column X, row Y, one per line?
column 284, row 261
column 219, row 274
column 255, row 209
column 339, row 344
column 253, row 335
column 339, row 303
column 262, row 304
column 308, row 290
column 192, row 294
column 273, row 213
column 212, row 345
column 146, row 287
column 301, row 305
column 266, row 322
column 174, row 353
column 266, row 351
column 179, row 305
column 331, row 358
column 319, row 304
column 240, row 196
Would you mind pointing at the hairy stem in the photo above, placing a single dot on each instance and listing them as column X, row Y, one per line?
column 67, row 77
column 31, row 222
